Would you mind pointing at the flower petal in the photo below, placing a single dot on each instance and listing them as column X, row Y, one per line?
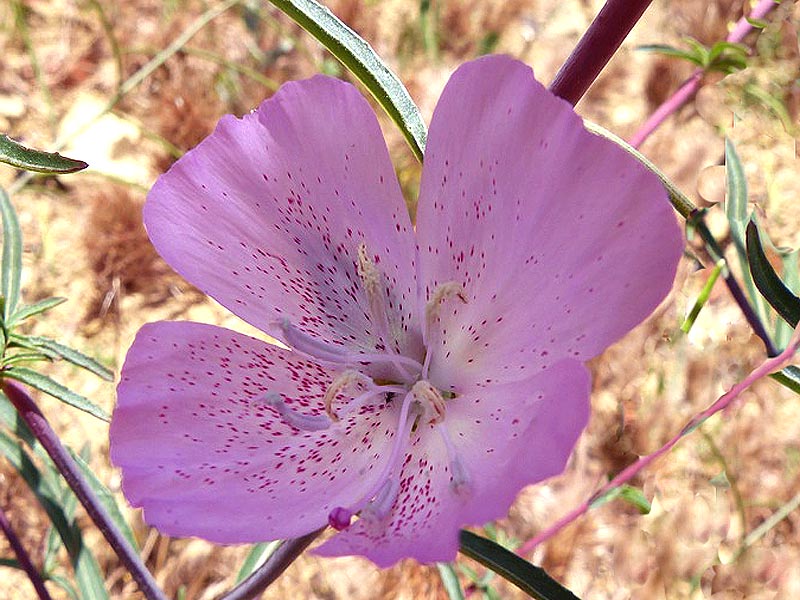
column 505, row 436
column 267, row 214
column 204, row 454
column 561, row 240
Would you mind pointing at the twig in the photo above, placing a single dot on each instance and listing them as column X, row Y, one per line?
column 37, row 423
column 768, row 366
column 23, row 558
column 276, row 564
column 608, row 30
column 691, row 85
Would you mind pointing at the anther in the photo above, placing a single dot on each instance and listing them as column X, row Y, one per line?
column 341, row 383
column 431, row 401
column 442, row 293
column 296, row 419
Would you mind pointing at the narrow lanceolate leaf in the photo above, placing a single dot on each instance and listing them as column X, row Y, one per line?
column 702, row 298
column 106, row 499
column 257, row 556
column 789, row 377
column 17, row 155
column 530, row 579
column 785, row 303
column 87, row 571
column 450, row 581
column 12, row 256
column 790, row 270
column 736, row 197
column 736, row 212
column 362, row 61
column 55, row 389
column 34, row 309
column 629, row 494
column 70, row 355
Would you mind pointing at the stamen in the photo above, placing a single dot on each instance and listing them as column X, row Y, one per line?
column 308, row 346
column 441, row 294
column 431, row 400
column 359, row 401
column 371, row 281
column 339, row 515
column 296, row 419
column 321, row 352
column 460, row 483
column 342, row 382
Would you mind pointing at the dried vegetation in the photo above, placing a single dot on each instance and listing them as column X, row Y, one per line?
column 85, row 240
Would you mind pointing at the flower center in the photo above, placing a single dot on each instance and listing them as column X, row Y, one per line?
column 358, row 385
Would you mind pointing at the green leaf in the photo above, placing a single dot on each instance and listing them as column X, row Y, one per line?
column 757, row 23
column 791, row 279
column 789, row 377
column 703, row 296
column 450, row 581
column 629, row 494
column 699, row 51
column 12, row 256
column 11, row 562
column 87, row 571
column 785, row 303
column 64, row 584
column 70, row 355
column 106, row 499
column 362, row 61
column 733, row 49
column 666, row 50
column 736, row 211
column 17, row 155
column 55, row 389
column 34, row 309
column 258, row 555
column 532, row 580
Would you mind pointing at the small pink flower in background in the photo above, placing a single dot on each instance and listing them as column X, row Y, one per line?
column 432, row 374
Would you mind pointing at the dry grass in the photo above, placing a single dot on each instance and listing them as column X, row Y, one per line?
column 645, row 387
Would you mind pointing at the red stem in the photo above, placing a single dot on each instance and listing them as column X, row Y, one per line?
column 691, row 85
column 37, row 423
column 764, row 369
column 23, row 558
column 605, row 35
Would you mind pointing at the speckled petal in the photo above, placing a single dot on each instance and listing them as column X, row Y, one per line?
column 561, row 240
column 202, row 452
column 506, row 437
column 267, row 214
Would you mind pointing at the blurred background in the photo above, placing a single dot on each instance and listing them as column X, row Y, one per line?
column 71, row 72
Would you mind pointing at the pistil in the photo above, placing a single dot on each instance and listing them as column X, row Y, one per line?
column 379, row 496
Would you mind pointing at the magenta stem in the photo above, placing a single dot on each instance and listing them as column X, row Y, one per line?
column 605, row 35
column 281, row 559
column 23, row 558
column 37, row 423
column 691, row 85
column 768, row 366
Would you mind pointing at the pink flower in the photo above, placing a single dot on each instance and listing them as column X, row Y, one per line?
column 432, row 374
